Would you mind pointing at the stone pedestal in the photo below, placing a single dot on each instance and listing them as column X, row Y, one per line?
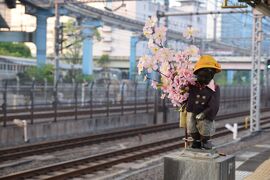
column 191, row 164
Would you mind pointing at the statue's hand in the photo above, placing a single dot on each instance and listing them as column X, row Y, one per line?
column 200, row 116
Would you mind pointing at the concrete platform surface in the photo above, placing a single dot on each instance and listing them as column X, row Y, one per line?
column 254, row 163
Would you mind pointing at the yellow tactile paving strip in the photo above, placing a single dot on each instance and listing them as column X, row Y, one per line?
column 261, row 173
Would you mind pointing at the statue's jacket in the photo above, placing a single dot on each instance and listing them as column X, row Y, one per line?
column 204, row 99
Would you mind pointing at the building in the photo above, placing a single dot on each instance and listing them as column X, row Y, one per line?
column 237, row 30
column 234, row 29
column 114, row 41
column 141, row 10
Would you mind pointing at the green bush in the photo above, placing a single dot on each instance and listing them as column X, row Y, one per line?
column 80, row 78
column 14, row 49
column 221, row 78
column 103, row 61
column 77, row 76
column 39, row 73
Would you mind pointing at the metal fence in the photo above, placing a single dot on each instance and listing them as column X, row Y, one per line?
column 19, row 96
column 43, row 101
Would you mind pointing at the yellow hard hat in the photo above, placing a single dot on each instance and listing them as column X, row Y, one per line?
column 207, row 61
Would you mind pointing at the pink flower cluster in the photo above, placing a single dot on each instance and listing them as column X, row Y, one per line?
column 174, row 67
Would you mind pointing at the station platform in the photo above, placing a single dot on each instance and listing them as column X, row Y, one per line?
column 253, row 163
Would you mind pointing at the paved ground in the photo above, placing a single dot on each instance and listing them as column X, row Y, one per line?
column 252, row 158
column 252, row 154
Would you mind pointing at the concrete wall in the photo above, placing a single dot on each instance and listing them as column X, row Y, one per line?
column 13, row 135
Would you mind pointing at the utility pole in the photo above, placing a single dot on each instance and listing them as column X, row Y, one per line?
column 215, row 24
column 57, row 43
column 265, row 80
column 166, row 4
column 255, row 72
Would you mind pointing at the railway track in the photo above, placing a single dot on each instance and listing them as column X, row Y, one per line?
column 88, row 165
column 14, row 153
column 46, row 147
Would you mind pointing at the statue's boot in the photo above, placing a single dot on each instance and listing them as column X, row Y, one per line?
column 206, row 143
column 196, row 144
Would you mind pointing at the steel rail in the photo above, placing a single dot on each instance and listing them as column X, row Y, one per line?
column 39, row 148
column 46, row 147
column 94, row 163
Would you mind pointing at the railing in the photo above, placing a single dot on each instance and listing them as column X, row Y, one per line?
column 37, row 102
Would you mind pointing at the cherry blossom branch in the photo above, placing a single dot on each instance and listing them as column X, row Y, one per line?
column 161, row 73
column 151, row 79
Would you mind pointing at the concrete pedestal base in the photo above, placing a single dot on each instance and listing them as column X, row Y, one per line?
column 191, row 164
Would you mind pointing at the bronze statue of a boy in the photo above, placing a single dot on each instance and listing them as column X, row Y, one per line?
column 203, row 102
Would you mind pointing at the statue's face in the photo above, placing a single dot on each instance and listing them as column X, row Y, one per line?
column 205, row 75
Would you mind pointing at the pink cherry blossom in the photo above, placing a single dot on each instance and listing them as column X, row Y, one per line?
column 148, row 31
column 152, row 46
column 163, row 96
column 189, row 32
column 180, row 56
column 192, row 51
column 174, row 67
column 160, row 35
column 149, row 27
column 154, row 84
column 151, row 22
column 164, row 55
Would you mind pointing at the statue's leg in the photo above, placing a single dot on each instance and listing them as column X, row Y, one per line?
column 206, row 129
column 193, row 131
column 196, row 140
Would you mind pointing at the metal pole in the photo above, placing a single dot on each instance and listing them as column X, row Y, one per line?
column 122, row 98
column 155, row 107
column 255, row 73
column 17, row 85
column 17, row 90
column 215, row 24
column 265, row 82
column 76, row 101
column 57, row 25
column 91, row 99
column 164, row 111
column 4, row 105
column 83, row 94
column 32, row 95
column 45, row 90
column 146, row 96
column 55, row 102
column 108, row 98
column 135, row 97
column 166, row 4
